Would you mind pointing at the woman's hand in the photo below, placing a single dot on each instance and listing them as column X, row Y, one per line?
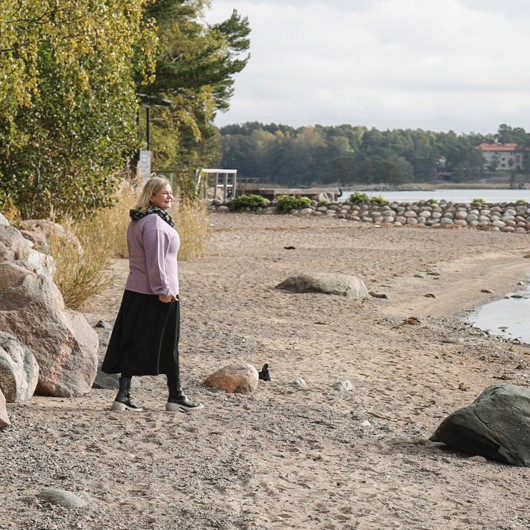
column 167, row 299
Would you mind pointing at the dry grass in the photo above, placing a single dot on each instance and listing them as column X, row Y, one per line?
column 191, row 220
column 82, row 273
column 117, row 219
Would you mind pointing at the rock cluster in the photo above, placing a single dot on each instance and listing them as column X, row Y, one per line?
column 504, row 217
column 44, row 347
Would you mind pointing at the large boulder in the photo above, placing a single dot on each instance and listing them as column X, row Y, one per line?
column 326, row 282
column 44, row 234
column 19, row 371
column 64, row 344
column 14, row 247
column 496, row 425
column 240, row 378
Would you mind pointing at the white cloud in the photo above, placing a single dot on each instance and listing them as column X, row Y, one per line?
column 457, row 64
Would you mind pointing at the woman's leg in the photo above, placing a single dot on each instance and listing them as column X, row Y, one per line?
column 177, row 400
column 123, row 399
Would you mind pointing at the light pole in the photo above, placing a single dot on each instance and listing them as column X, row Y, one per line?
column 143, row 156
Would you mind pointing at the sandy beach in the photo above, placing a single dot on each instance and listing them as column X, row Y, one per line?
column 294, row 456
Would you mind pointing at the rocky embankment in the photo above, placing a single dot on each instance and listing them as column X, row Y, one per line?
column 504, row 217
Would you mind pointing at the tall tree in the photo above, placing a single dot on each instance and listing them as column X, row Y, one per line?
column 195, row 69
column 513, row 135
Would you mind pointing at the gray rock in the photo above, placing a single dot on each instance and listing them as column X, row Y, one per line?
column 53, row 233
column 19, row 371
column 62, row 498
column 344, row 386
column 106, row 381
column 496, row 425
column 13, row 247
column 453, row 340
column 328, row 283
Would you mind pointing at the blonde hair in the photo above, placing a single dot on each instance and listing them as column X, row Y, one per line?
column 152, row 186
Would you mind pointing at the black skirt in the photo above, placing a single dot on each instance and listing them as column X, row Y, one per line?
column 144, row 340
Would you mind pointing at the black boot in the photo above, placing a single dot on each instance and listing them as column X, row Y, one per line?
column 123, row 398
column 178, row 401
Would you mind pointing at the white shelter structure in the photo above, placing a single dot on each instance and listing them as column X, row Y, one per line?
column 223, row 179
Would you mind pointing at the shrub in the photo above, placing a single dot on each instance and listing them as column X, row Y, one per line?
column 479, row 201
column 324, row 203
column 377, row 199
column 248, row 202
column 521, row 202
column 358, row 197
column 286, row 203
column 432, row 201
column 9, row 210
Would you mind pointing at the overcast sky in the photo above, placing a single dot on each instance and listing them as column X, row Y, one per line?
column 440, row 65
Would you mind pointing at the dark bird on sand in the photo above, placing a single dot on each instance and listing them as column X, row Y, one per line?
column 265, row 375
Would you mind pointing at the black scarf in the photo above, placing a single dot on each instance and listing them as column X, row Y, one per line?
column 138, row 214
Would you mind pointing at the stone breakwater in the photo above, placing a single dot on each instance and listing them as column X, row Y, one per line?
column 503, row 217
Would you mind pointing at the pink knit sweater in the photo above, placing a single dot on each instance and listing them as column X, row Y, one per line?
column 153, row 247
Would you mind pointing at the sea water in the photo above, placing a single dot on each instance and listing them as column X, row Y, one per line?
column 508, row 318
column 449, row 195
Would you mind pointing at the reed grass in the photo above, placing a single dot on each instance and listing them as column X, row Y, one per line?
column 191, row 219
column 82, row 272
column 117, row 220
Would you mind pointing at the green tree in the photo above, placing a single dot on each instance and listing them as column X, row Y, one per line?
column 68, row 101
column 461, row 155
column 346, row 154
column 195, row 69
column 512, row 135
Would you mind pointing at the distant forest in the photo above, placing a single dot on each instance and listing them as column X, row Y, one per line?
column 346, row 154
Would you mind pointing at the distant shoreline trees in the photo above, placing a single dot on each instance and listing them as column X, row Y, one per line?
column 347, row 154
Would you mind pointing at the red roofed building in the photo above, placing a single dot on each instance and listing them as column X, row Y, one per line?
column 503, row 156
